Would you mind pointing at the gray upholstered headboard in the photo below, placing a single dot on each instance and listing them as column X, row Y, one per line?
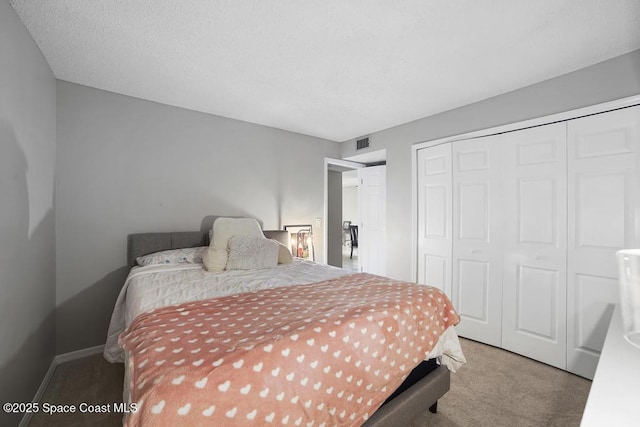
column 146, row 243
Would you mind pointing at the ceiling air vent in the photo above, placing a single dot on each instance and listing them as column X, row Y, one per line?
column 362, row 143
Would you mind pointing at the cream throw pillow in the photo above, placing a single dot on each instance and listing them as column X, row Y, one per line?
column 214, row 260
column 223, row 230
column 284, row 255
column 252, row 253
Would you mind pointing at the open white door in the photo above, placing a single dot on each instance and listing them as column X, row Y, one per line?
column 372, row 227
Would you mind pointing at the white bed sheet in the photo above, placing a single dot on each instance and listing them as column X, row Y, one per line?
column 155, row 286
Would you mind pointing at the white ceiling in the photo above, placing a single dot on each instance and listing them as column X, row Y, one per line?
column 334, row 69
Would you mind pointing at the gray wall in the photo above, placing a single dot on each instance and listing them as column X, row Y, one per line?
column 334, row 218
column 607, row 81
column 126, row 165
column 27, row 237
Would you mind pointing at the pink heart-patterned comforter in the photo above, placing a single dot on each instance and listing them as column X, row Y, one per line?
column 329, row 353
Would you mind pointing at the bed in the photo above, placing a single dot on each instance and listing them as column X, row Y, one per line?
column 155, row 298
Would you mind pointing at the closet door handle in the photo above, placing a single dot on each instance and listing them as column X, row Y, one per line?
column 476, row 251
column 537, row 257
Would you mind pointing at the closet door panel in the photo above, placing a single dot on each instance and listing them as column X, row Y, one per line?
column 603, row 217
column 435, row 217
column 534, row 241
column 537, row 210
column 477, row 249
column 473, row 211
column 536, row 290
column 601, row 195
column 593, row 294
column 473, row 289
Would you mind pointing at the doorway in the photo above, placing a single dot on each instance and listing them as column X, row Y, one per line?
column 333, row 204
column 345, row 206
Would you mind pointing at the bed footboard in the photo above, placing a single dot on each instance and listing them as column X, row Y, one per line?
column 414, row 401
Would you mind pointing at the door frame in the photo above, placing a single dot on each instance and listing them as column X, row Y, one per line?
column 342, row 164
column 539, row 121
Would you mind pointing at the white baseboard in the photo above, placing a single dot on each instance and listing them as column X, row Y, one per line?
column 57, row 360
column 79, row 354
column 26, row 419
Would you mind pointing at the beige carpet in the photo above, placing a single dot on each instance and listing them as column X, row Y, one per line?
column 499, row 388
column 91, row 380
column 495, row 388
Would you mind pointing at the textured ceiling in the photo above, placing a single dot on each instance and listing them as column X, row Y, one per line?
column 334, row 69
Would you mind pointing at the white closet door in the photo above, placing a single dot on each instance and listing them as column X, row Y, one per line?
column 434, row 217
column 535, row 243
column 603, row 206
column 372, row 230
column 477, row 247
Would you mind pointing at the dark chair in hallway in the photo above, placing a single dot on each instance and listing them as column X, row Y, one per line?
column 346, row 234
column 353, row 230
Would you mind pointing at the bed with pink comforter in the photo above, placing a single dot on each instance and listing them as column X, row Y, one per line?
column 327, row 353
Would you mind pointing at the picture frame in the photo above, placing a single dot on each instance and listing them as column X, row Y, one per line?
column 301, row 238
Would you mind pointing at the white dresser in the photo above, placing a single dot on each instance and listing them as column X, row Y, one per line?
column 614, row 399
